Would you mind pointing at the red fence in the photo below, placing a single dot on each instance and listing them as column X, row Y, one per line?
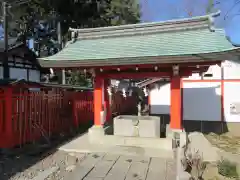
column 26, row 116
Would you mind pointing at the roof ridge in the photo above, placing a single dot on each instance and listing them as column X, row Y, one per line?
column 198, row 22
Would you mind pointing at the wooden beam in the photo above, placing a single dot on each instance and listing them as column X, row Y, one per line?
column 141, row 66
column 139, row 75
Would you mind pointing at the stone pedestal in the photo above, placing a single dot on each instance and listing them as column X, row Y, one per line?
column 172, row 133
column 96, row 134
column 137, row 126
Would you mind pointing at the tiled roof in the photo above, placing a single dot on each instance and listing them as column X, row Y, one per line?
column 162, row 42
column 12, row 43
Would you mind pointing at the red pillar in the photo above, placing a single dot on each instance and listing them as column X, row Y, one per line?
column 176, row 103
column 107, row 105
column 98, row 100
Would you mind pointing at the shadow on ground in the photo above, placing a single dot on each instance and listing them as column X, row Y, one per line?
column 16, row 160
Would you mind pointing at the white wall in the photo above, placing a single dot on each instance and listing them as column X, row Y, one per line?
column 202, row 100
column 231, row 70
column 160, row 99
column 231, row 96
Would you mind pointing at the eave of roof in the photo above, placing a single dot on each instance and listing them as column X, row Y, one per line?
column 12, row 43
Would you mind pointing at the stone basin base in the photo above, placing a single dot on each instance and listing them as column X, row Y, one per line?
column 137, row 126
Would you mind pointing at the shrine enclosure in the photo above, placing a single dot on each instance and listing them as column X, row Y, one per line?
column 171, row 49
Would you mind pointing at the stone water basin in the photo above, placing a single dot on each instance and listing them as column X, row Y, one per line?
column 137, row 126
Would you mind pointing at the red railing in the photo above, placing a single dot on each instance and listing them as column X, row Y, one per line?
column 28, row 116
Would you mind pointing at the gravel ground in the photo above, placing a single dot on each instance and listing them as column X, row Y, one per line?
column 24, row 167
column 37, row 161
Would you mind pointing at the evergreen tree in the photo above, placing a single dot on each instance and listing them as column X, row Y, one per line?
column 37, row 19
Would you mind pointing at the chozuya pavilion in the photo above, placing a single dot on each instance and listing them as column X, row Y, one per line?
column 174, row 49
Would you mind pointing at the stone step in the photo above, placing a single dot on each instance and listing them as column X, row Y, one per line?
column 159, row 143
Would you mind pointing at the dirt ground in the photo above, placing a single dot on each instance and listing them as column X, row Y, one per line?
column 27, row 167
column 228, row 148
column 225, row 142
column 37, row 160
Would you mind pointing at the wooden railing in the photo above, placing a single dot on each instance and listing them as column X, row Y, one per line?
column 27, row 116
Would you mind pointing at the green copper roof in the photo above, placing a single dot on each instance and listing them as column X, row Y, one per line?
column 142, row 43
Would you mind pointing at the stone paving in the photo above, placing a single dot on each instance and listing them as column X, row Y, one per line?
column 101, row 166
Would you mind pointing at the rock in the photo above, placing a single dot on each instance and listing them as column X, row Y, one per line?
column 205, row 148
column 184, row 176
column 71, row 160
column 70, row 168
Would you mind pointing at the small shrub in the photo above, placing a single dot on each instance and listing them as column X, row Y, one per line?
column 227, row 169
column 194, row 164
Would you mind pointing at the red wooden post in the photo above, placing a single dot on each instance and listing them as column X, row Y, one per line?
column 107, row 105
column 98, row 100
column 176, row 103
column 8, row 117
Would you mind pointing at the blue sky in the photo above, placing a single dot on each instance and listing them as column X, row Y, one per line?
column 160, row 10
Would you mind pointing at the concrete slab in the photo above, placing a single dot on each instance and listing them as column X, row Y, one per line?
column 85, row 167
column 171, row 170
column 138, row 170
column 82, row 145
column 142, row 159
column 91, row 178
column 111, row 157
column 101, row 169
column 96, row 135
column 157, row 169
column 119, row 170
column 99, row 166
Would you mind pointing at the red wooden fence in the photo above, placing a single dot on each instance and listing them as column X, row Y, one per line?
column 26, row 116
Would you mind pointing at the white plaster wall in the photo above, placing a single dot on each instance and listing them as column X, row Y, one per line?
column 231, row 70
column 194, row 76
column 202, row 101
column 231, row 96
column 216, row 72
column 160, row 99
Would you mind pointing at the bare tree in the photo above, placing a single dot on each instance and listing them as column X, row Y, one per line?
column 236, row 5
column 194, row 7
